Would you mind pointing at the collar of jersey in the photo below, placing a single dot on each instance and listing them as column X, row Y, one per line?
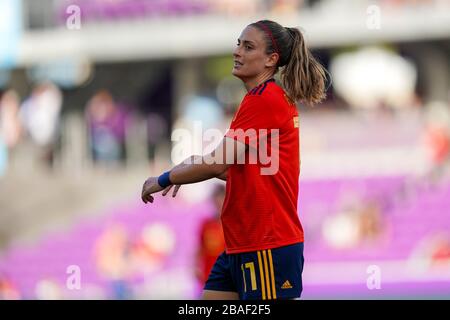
column 255, row 89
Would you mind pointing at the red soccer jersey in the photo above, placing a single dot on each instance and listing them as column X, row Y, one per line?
column 260, row 210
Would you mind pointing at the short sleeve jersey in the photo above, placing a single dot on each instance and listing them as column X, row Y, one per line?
column 260, row 206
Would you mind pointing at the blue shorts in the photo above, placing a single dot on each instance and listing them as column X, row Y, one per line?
column 260, row 275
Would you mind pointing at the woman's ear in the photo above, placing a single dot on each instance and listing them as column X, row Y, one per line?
column 272, row 60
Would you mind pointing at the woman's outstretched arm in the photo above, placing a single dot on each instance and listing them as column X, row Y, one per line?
column 199, row 168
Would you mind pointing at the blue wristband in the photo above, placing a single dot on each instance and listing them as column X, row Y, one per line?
column 164, row 180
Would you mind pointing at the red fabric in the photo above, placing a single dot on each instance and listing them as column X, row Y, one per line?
column 212, row 244
column 260, row 211
column 439, row 141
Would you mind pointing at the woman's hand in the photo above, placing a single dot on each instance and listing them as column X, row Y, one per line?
column 175, row 190
column 150, row 186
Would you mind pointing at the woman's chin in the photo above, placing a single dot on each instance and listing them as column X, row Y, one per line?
column 236, row 72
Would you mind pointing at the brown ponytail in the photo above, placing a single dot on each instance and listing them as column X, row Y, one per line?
column 302, row 76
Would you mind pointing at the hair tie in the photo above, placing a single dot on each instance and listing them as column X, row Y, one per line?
column 290, row 32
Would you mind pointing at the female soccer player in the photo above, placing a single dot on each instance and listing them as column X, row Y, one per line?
column 263, row 234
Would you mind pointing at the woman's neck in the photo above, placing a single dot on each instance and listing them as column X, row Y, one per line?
column 254, row 82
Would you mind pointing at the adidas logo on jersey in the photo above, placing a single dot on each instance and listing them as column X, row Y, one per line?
column 286, row 285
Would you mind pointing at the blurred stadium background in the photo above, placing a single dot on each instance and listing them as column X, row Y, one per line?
column 91, row 92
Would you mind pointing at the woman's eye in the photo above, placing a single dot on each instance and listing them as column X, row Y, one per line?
column 247, row 47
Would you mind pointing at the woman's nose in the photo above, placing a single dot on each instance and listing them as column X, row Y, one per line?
column 236, row 52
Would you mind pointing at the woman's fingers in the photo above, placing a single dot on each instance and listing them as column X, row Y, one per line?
column 166, row 190
column 146, row 196
column 175, row 191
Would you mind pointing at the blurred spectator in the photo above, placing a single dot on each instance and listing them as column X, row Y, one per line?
column 111, row 252
column 286, row 6
column 235, row 8
column 340, row 231
column 356, row 226
column 157, row 128
column 40, row 115
column 48, row 289
column 212, row 242
column 10, row 127
column 440, row 254
column 3, row 157
column 107, row 128
column 432, row 253
column 8, row 290
column 372, row 224
column 437, row 140
column 151, row 248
